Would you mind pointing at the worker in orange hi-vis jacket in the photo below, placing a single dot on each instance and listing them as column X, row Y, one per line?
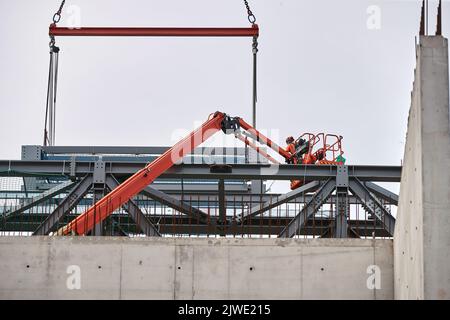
column 291, row 147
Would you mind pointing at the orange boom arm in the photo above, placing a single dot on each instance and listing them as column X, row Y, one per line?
column 141, row 179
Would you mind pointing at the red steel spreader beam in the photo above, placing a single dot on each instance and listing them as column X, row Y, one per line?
column 55, row 31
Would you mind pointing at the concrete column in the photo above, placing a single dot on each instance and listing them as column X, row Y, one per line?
column 422, row 235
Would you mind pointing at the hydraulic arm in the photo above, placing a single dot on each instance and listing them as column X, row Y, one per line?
column 137, row 182
column 141, row 179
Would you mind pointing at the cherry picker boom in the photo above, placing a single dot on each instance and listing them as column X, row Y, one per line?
column 141, row 179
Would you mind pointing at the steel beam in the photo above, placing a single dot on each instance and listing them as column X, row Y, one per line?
column 19, row 168
column 145, row 225
column 260, row 199
column 168, row 229
column 209, row 197
column 74, row 196
column 122, row 150
column 48, row 194
column 200, row 188
column 382, row 193
column 355, row 232
column 197, row 215
column 163, row 219
column 373, row 205
column 286, row 172
column 153, row 32
column 309, row 209
column 258, row 209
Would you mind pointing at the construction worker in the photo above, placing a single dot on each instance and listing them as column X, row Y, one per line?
column 291, row 148
column 290, row 141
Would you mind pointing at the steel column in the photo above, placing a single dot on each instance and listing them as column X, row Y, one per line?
column 99, row 187
column 99, row 193
column 439, row 20
column 222, row 208
column 342, row 213
column 340, row 229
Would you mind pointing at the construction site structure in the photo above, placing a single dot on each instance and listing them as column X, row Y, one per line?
column 187, row 222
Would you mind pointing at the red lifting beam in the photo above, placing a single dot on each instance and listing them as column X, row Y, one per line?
column 154, row 32
column 141, row 179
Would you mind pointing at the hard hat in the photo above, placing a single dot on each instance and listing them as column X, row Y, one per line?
column 289, row 139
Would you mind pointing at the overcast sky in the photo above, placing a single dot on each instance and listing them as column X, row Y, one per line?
column 321, row 69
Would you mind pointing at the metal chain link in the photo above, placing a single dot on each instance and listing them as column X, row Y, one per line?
column 255, row 45
column 57, row 15
column 56, row 19
column 252, row 20
column 251, row 16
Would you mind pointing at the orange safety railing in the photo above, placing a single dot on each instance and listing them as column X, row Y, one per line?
column 323, row 149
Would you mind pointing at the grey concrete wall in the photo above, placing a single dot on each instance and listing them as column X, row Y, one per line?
column 164, row 268
column 422, row 235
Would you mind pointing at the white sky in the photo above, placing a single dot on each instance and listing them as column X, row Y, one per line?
column 320, row 70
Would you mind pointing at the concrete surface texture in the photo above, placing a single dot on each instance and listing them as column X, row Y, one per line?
column 422, row 235
column 167, row 268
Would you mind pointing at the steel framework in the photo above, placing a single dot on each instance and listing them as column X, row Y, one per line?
column 214, row 207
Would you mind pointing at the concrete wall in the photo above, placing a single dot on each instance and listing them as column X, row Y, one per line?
column 422, row 235
column 164, row 268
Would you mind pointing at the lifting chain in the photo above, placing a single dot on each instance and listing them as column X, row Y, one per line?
column 255, row 78
column 52, row 42
column 50, row 111
column 251, row 16
column 57, row 15
column 252, row 20
column 56, row 19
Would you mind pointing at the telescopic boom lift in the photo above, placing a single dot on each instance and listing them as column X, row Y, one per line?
column 141, row 179
column 136, row 183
